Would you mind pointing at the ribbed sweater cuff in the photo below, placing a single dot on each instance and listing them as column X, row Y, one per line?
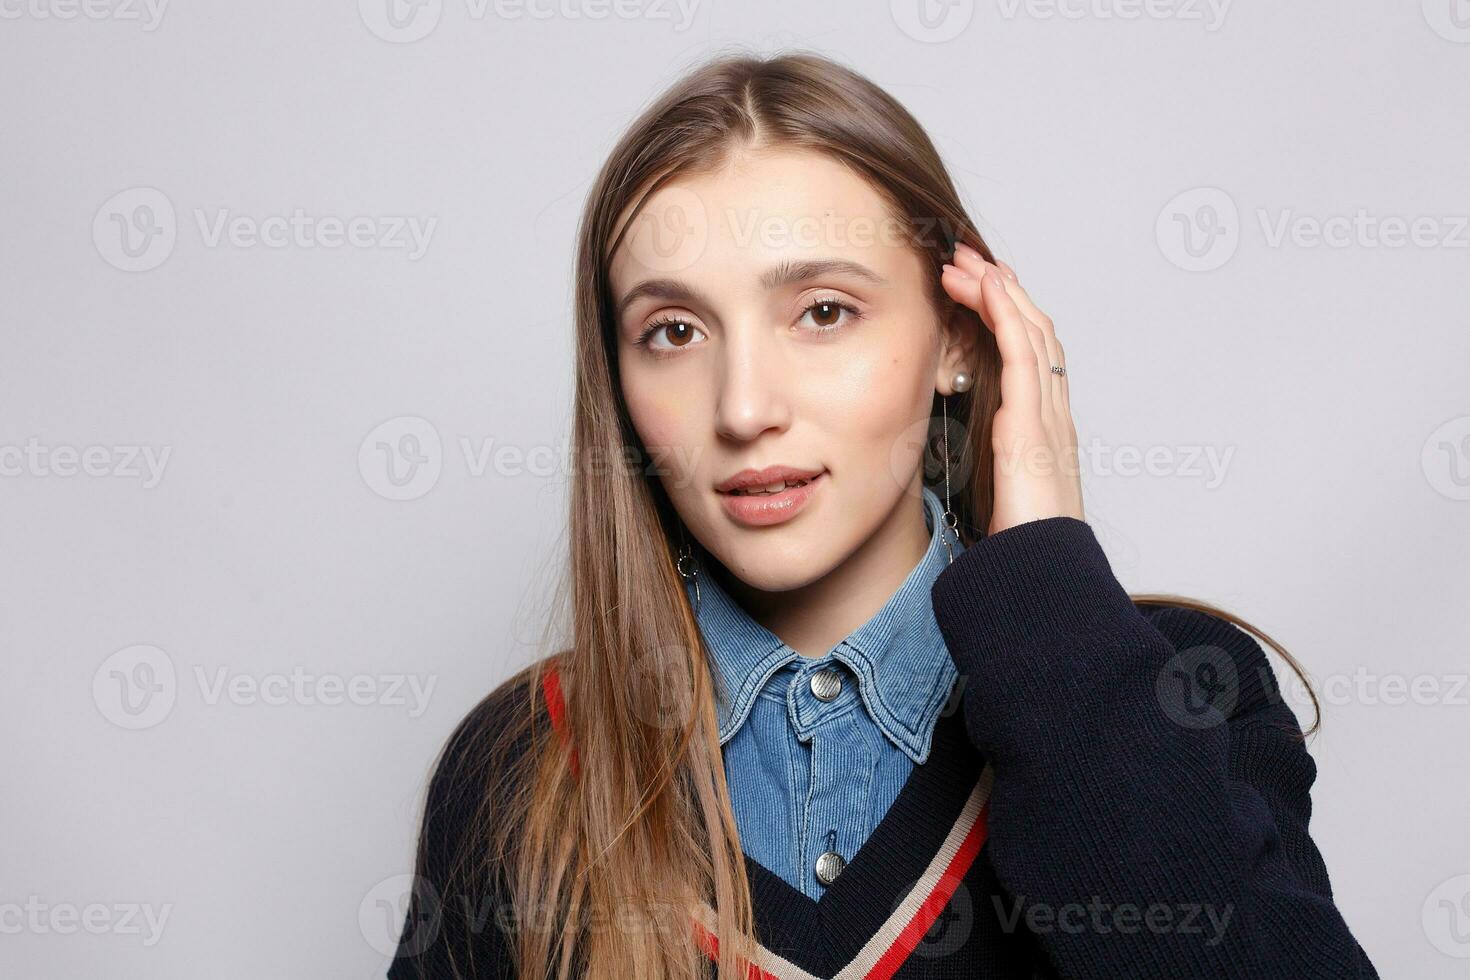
column 1028, row 584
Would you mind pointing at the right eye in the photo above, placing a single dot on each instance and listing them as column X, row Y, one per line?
column 677, row 330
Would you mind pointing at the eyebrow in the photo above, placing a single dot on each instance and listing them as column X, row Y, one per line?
column 781, row 274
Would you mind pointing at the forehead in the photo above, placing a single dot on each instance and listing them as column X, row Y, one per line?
column 758, row 208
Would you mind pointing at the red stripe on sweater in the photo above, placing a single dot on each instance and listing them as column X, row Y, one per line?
column 710, row 943
column 923, row 920
column 556, row 707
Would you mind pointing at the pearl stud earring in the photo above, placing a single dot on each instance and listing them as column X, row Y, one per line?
column 963, row 380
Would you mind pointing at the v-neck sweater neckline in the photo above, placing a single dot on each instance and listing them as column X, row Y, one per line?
column 872, row 916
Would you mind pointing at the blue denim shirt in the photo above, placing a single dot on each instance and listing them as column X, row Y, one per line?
column 808, row 775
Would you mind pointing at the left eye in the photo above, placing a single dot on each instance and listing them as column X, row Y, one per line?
column 827, row 313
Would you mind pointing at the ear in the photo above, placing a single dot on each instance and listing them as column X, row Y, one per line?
column 959, row 348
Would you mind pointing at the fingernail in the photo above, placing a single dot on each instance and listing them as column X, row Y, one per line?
column 962, row 247
column 1007, row 271
column 957, row 271
column 995, row 281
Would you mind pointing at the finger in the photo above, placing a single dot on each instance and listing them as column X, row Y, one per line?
column 1020, row 380
column 1023, row 299
column 965, row 290
column 1063, row 391
column 1060, row 396
column 1013, row 285
column 971, row 261
column 966, row 279
column 1060, row 403
column 1017, row 292
column 965, row 286
column 1052, row 347
column 1031, row 312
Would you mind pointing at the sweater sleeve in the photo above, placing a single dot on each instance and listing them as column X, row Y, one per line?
column 1150, row 806
column 457, row 924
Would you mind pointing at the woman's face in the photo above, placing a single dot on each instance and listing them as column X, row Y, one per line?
column 773, row 314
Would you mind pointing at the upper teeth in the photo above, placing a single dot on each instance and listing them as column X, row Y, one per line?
column 770, row 487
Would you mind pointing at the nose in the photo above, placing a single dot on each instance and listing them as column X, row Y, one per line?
column 754, row 386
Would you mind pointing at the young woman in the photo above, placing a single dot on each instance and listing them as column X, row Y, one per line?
column 827, row 710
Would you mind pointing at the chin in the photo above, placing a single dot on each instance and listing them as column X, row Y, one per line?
column 775, row 566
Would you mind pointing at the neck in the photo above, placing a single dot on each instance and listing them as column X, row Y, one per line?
column 813, row 618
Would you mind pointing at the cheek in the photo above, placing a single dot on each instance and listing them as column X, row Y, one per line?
column 877, row 391
column 875, row 408
column 664, row 420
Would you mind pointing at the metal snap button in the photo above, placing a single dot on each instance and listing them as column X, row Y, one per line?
column 826, row 684
column 829, row 866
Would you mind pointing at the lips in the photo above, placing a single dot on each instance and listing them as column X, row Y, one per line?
column 762, row 498
column 768, row 490
column 768, row 480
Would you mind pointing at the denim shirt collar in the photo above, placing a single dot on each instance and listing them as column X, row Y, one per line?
column 905, row 673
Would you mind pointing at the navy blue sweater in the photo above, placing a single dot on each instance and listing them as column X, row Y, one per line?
column 1121, row 793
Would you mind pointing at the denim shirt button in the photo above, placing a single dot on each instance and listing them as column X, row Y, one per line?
column 826, row 684
column 829, row 866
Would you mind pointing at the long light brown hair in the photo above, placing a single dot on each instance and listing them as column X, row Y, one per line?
column 610, row 848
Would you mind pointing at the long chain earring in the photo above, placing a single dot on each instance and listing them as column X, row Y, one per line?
column 688, row 567
column 962, row 382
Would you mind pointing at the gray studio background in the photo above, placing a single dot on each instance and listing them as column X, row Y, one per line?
column 234, row 637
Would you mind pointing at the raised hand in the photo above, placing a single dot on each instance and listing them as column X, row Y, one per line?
column 1035, row 442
